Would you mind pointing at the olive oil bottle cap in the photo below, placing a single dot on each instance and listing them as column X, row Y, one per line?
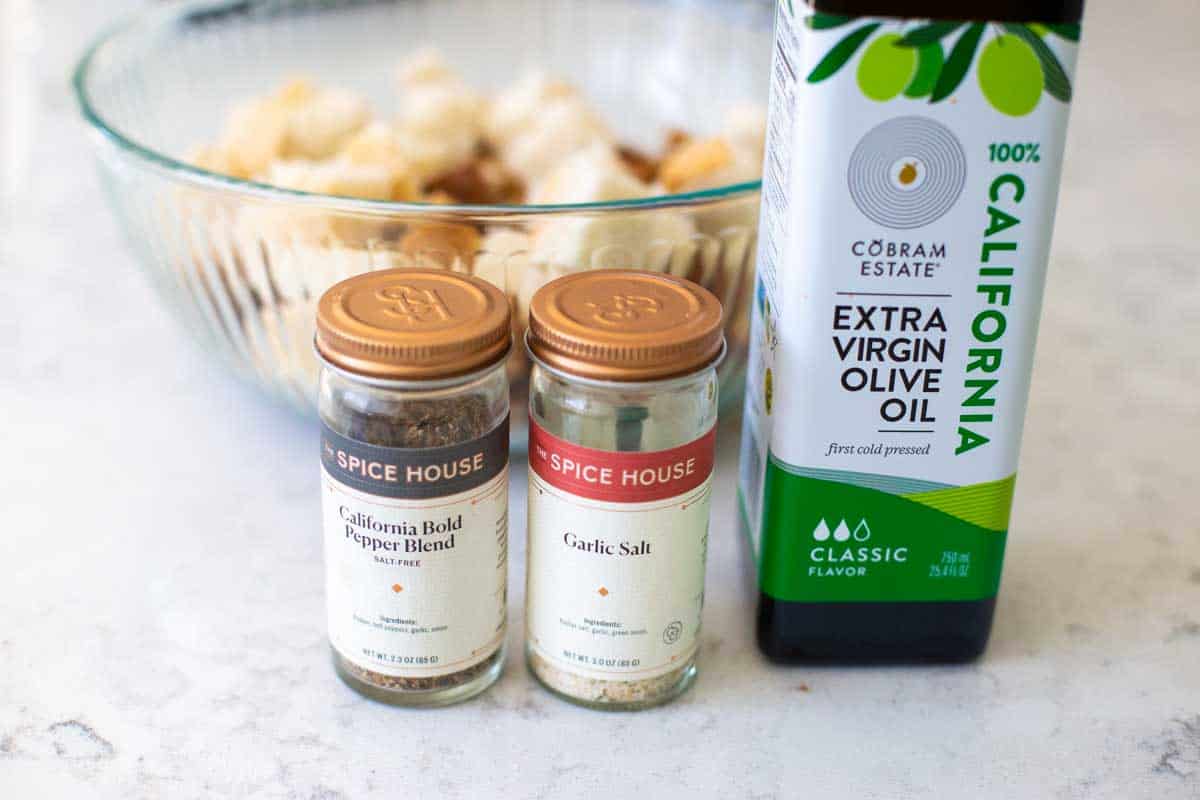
column 624, row 325
column 413, row 324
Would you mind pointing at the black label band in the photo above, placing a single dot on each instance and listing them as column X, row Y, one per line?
column 414, row 473
column 1057, row 11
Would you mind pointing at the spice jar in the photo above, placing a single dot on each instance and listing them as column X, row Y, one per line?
column 414, row 457
column 622, row 415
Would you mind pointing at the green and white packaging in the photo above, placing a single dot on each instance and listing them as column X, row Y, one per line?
column 910, row 184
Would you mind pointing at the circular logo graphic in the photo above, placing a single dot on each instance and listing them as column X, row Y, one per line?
column 672, row 632
column 907, row 172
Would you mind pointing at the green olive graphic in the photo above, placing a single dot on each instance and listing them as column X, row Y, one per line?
column 886, row 68
column 1010, row 76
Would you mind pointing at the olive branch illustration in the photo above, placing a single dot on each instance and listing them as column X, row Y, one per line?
column 937, row 76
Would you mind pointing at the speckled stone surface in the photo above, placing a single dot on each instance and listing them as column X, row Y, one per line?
column 161, row 628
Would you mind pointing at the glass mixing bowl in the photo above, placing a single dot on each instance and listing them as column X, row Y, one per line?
column 243, row 263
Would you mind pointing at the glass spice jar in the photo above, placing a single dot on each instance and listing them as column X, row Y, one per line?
column 622, row 417
column 414, row 452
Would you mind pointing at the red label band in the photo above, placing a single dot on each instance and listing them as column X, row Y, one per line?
column 620, row 477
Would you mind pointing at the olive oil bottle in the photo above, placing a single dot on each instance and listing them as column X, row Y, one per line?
column 911, row 177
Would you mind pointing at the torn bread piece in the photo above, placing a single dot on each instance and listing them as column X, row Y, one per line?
column 735, row 157
column 377, row 146
column 657, row 240
column 412, row 160
column 440, row 245
column 340, row 177
column 707, row 164
column 711, row 163
column 593, row 174
column 293, row 241
column 215, row 158
column 503, row 259
column 293, row 257
column 318, row 128
column 484, row 180
column 516, row 109
column 299, row 121
column 440, row 121
column 564, row 127
column 660, row 241
column 745, row 128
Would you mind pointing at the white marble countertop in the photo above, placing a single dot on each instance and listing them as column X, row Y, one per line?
column 161, row 624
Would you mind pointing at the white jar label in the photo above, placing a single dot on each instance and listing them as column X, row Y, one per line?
column 617, row 544
column 416, row 552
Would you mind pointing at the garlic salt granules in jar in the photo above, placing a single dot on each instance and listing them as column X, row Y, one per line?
column 414, row 457
column 622, row 415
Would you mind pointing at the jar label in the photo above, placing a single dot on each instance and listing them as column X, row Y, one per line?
column 418, row 472
column 617, row 544
column 416, row 552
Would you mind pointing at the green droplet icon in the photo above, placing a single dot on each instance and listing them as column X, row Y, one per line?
column 1010, row 76
column 886, row 69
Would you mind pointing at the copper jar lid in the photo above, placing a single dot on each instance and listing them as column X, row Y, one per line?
column 413, row 324
column 624, row 325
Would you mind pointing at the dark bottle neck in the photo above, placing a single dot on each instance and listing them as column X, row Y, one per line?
column 992, row 10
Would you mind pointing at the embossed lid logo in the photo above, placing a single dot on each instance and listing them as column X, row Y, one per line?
column 624, row 308
column 413, row 305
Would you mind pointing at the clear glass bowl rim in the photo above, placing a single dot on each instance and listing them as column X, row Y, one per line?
column 153, row 18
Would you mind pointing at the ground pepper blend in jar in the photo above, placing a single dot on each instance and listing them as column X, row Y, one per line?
column 622, row 416
column 414, row 457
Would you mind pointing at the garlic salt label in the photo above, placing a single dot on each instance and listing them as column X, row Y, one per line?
column 617, row 544
column 416, row 552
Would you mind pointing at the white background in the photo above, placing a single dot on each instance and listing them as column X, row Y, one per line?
column 161, row 622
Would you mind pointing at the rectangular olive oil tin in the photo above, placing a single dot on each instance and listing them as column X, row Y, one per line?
column 910, row 184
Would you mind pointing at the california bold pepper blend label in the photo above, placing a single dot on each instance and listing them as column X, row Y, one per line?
column 617, row 544
column 415, row 550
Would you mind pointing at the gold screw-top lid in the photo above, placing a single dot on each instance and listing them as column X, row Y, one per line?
column 413, row 324
column 624, row 325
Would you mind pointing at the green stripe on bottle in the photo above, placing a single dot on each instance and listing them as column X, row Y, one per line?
column 832, row 541
column 984, row 504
